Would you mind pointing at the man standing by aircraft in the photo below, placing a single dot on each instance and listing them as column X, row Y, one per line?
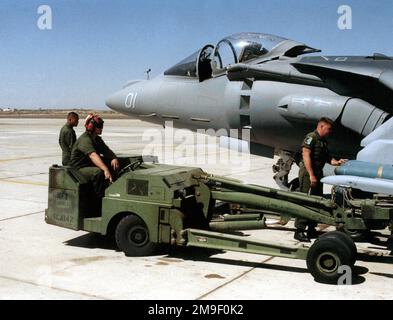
column 315, row 156
column 67, row 137
column 93, row 157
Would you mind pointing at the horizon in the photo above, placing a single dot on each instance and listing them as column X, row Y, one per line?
column 93, row 48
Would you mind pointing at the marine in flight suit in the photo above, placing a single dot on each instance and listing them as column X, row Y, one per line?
column 315, row 156
column 67, row 137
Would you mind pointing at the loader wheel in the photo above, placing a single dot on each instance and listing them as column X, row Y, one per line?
column 357, row 235
column 325, row 258
column 344, row 238
column 132, row 237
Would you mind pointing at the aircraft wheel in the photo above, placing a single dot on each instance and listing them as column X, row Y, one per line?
column 344, row 238
column 132, row 237
column 326, row 256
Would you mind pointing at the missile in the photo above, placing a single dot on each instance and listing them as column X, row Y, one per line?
column 366, row 170
column 382, row 186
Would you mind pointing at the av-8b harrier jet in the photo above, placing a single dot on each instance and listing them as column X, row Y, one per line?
column 276, row 87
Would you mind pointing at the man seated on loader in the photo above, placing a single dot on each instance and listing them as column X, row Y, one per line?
column 93, row 158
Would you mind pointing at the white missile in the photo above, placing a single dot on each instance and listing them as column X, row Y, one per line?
column 365, row 184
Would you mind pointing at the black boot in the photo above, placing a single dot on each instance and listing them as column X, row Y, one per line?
column 312, row 233
column 300, row 236
column 390, row 243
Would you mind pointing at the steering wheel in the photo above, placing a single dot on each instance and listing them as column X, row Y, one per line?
column 131, row 167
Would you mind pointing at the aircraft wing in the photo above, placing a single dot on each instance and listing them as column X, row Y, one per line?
column 377, row 67
column 319, row 69
column 351, row 75
column 347, row 76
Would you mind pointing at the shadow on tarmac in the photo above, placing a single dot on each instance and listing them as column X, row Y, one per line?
column 97, row 241
column 93, row 241
column 198, row 254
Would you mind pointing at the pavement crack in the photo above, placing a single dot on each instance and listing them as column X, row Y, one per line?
column 53, row 288
column 232, row 280
column 22, row 216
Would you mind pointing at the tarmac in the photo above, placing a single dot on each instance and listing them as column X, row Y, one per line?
column 40, row 261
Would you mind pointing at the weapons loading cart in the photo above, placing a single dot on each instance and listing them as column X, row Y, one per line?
column 153, row 204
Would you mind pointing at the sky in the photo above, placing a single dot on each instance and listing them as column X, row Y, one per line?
column 96, row 46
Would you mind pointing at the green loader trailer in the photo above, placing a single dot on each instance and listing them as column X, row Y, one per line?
column 151, row 204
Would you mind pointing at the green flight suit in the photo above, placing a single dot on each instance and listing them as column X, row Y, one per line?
column 67, row 139
column 80, row 159
column 319, row 157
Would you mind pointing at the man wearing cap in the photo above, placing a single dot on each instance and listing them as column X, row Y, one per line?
column 93, row 157
column 315, row 156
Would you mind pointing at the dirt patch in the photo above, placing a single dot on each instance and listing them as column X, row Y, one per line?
column 88, row 260
column 171, row 260
column 214, row 276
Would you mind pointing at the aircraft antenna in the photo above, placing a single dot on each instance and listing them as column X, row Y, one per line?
column 148, row 73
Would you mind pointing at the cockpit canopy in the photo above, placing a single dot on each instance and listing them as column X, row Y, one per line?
column 186, row 67
column 238, row 48
column 244, row 47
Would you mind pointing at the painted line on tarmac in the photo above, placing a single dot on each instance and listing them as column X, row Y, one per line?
column 27, row 158
column 40, row 184
column 23, row 200
column 25, row 175
column 234, row 279
column 53, row 288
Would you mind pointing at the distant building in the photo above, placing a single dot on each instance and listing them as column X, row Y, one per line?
column 8, row 109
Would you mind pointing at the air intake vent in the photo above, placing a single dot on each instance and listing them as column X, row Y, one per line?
column 245, row 102
column 245, row 121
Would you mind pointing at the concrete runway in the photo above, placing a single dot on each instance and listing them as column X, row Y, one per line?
column 39, row 261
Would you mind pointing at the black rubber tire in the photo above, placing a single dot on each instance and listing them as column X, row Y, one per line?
column 326, row 256
column 132, row 237
column 357, row 235
column 344, row 238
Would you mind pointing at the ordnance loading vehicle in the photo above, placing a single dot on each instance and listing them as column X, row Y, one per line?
column 151, row 204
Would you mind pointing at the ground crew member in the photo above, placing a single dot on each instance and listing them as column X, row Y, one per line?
column 93, row 157
column 67, row 137
column 315, row 156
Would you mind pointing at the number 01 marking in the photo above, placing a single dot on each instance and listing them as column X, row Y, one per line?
column 131, row 100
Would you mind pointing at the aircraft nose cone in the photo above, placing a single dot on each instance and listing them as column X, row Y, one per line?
column 115, row 101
